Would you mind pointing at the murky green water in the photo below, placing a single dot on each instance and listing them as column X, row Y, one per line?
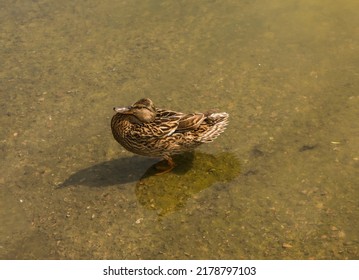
column 280, row 183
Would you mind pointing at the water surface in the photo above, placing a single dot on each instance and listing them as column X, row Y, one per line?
column 280, row 183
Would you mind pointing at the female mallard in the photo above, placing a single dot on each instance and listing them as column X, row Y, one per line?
column 149, row 131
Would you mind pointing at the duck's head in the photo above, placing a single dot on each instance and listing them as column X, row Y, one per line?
column 143, row 111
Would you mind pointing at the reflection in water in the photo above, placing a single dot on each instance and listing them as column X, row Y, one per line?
column 194, row 172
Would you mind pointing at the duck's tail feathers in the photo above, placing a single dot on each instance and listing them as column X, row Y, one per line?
column 215, row 123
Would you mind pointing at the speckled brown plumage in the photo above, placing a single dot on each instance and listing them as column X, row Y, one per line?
column 149, row 131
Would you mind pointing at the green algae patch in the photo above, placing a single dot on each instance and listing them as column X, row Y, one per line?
column 193, row 173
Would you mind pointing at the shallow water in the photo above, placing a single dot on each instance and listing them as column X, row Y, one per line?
column 280, row 183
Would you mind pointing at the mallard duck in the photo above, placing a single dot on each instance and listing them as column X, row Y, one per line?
column 149, row 131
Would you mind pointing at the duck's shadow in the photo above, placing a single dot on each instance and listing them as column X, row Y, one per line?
column 122, row 171
column 164, row 193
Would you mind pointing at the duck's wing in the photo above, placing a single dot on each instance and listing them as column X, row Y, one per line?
column 190, row 121
column 165, row 123
column 168, row 122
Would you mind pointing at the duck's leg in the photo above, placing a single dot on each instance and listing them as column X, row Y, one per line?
column 170, row 166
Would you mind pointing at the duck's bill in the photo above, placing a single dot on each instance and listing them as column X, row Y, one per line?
column 122, row 110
